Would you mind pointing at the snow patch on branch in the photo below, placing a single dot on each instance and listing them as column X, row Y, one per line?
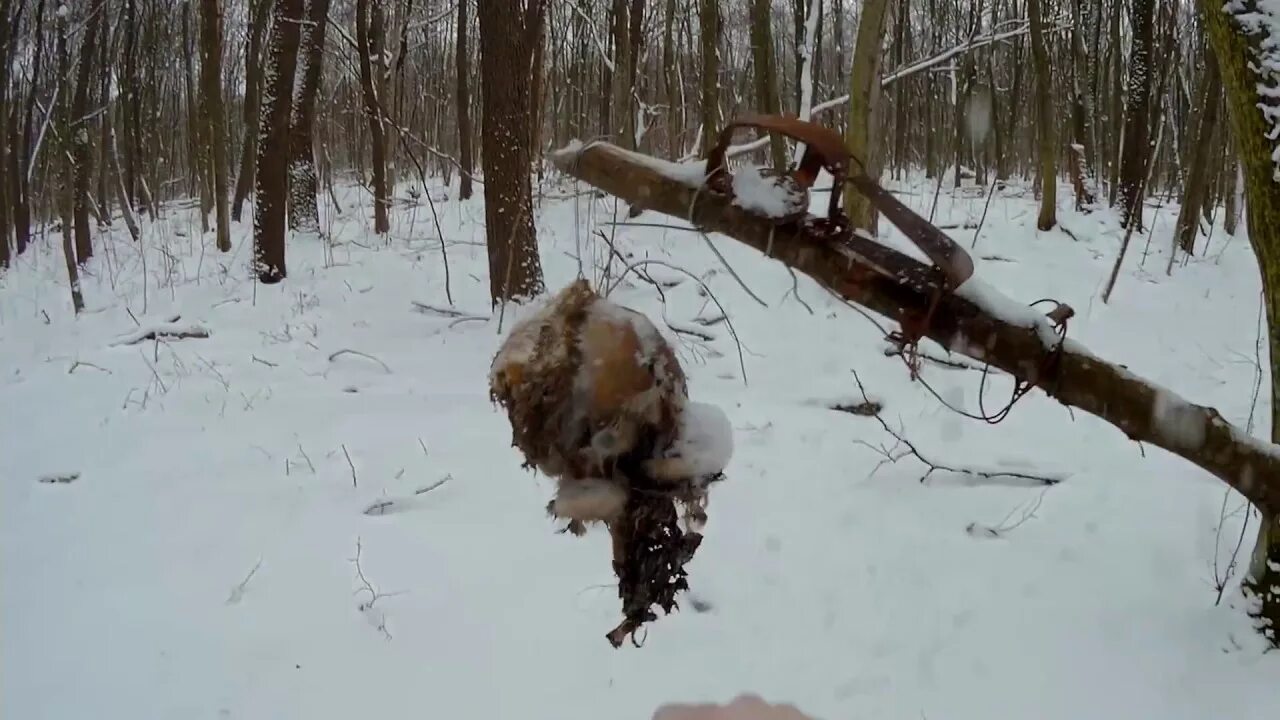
column 1259, row 21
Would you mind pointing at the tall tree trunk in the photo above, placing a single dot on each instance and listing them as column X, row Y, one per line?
column 6, row 191
column 1196, row 184
column 369, row 41
column 766, row 74
column 864, row 84
column 252, row 103
column 214, row 114
column 82, row 146
column 506, row 41
column 271, row 184
column 464, row 105
column 65, row 197
column 21, row 186
column 1133, row 164
column 1237, row 47
column 1082, row 119
column 620, row 102
column 198, row 144
column 709, row 28
column 1044, row 121
column 670, row 79
column 304, row 214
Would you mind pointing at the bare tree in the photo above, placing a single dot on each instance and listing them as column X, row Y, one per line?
column 260, row 16
column 464, row 104
column 82, row 147
column 1133, row 164
column 271, row 185
column 1044, row 121
column 709, row 27
column 370, row 36
column 304, row 214
column 214, row 117
column 1195, row 187
column 864, row 85
column 507, row 34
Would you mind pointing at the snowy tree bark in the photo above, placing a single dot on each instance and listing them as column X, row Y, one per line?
column 806, row 58
column 214, row 117
column 506, row 42
column 271, row 186
column 1133, row 163
column 261, row 13
column 65, row 200
column 304, row 214
column 1245, row 43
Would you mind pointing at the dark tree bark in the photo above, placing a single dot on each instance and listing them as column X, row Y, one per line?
column 258, row 23
column 464, row 105
column 369, row 38
column 271, row 184
column 304, row 214
column 18, row 169
column 1082, row 120
column 82, row 146
column 65, row 198
column 1044, row 120
column 6, row 202
column 709, row 24
column 765, row 74
column 507, row 32
column 214, row 117
column 620, row 127
column 1137, row 115
column 1196, row 184
column 671, row 81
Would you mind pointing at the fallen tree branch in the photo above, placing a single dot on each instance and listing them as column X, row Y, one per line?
column 170, row 329
column 976, row 321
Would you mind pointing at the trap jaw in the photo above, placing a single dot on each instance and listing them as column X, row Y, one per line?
column 825, row 149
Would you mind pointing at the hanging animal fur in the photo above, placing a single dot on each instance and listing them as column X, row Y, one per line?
column 598, row 401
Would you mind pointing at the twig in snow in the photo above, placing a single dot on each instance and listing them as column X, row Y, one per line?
column 350, row 465
column 1004, row 527
column 237, row 592
column 732, row 272
column 795, row 290
column 81, row 363
column 445, row 311
column 374, row 595
column 59, row 478
column 959, row 363
column 433, row 486
column 893, row 454
column 264, row 362
column 168, row 330
column 348, row 351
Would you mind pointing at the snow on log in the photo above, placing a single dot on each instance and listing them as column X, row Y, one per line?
column 170, row 329
column 977, row 320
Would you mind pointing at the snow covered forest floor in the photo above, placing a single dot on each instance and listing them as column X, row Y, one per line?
column 315, row 512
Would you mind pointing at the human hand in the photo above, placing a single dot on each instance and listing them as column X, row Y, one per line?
column 743, row 707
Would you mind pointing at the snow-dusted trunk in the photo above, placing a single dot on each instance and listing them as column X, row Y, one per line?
column 271, row 186
column 806, row 68
column 1244, row 38
column 1082, row 115
column 122, row 195
column 506, row 42
column 369, row 31
column 670, row 81
column 1045, row 119
column 864, row 85
column 261, row 10
column 1133, row 161
column 620, row 126
column 214, row 118
column 304, row 215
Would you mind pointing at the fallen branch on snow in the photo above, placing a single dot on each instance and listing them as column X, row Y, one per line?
column 977, row 320
column 170, row 329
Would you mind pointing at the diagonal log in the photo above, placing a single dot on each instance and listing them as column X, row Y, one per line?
column 975, row 320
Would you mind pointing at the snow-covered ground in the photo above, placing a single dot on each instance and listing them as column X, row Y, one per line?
column 201, row 564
